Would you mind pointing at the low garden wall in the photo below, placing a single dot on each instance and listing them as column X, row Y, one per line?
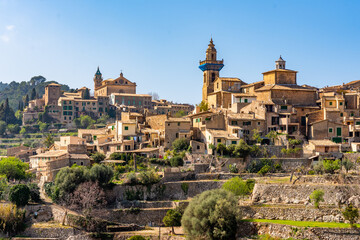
column 293, row 213
column 287, row 193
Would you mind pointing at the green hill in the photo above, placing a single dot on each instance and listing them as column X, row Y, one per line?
column 15, row 91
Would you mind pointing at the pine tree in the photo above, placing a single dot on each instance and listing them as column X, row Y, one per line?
column 26, row 100
column 33, row 94
column 86, row 94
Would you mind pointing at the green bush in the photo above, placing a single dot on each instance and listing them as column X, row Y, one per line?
column 351, row 214
column 348, row 165
column 67, row 179
column 213, row 214
column 233, row 168
column 256, row 165
column 148, row 177
column 19, row 195
column 180, row 144
column 264, row 170
column 238, row 186
column 158, row 161
column 330, row 166
column 316, row 197
column 136, row 237
column 185, row 187
column 98, row 157
column 176, row 161
column 172, row 219
column 34, row 192
column 242, row 149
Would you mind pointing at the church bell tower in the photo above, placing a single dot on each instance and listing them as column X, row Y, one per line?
column 97, row 79
column 211, row 68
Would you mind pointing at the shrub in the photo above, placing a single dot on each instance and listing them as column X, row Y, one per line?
column 149, row 177
column 117, row 156
column 316, row 197
column 330, row 166
column 172, row 219
column 264, row 170
column 185, row 187
column 250, row 183
column 238, row 186
column 176, row 161
column 180, row 144
column 230, row 149
column 12, row 219
column 233, row 168
column 131, row 178
column 319, row 168
column 136, row 237
column 158, row 161
column 351, row 214
column 348, row 165
column 19, row 195
column 212, row 214
column 256, row 165
column 67, row 179
column 241, row 149
column 311, row 172
column 98, row 157
column 221, row 148
column 34, row 192
column 101, row 174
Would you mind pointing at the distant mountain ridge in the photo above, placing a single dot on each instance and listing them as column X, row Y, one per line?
column 16, row 91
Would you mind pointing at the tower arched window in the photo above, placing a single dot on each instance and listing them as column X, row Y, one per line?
column 213, row 77
column 212, row 56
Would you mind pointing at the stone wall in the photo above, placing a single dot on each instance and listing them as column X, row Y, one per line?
column 286, row 193
column 285, row 232
column 293, row 212
column 331, row 179
column 162, row 191
column 51, row 232
column 289, row 164
column 140, row 217
column 352, row 156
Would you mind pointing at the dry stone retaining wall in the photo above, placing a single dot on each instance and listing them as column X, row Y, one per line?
column 286, row 193
column 285, row 232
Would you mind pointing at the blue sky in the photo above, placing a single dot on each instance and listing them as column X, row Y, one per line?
column 158, row 44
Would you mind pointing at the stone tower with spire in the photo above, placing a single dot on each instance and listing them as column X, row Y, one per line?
column 280, row 63
column 97, row 79
column 211, row 68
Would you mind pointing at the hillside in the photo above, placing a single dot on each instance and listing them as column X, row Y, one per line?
column 15, row 91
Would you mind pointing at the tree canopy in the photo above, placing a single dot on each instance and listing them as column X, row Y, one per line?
column 15, row 91
column 212, row 215
column 13, row 168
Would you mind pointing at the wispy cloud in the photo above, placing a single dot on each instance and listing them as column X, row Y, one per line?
column 10, row 27
column 5, row 37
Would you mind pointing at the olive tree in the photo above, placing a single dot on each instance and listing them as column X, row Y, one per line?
column 213, row 214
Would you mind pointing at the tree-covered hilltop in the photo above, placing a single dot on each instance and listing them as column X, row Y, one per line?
column 16, row 92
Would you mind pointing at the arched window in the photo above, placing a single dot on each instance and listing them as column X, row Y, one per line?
column 213, row 77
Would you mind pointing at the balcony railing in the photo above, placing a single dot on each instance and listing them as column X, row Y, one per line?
column 211, row 61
